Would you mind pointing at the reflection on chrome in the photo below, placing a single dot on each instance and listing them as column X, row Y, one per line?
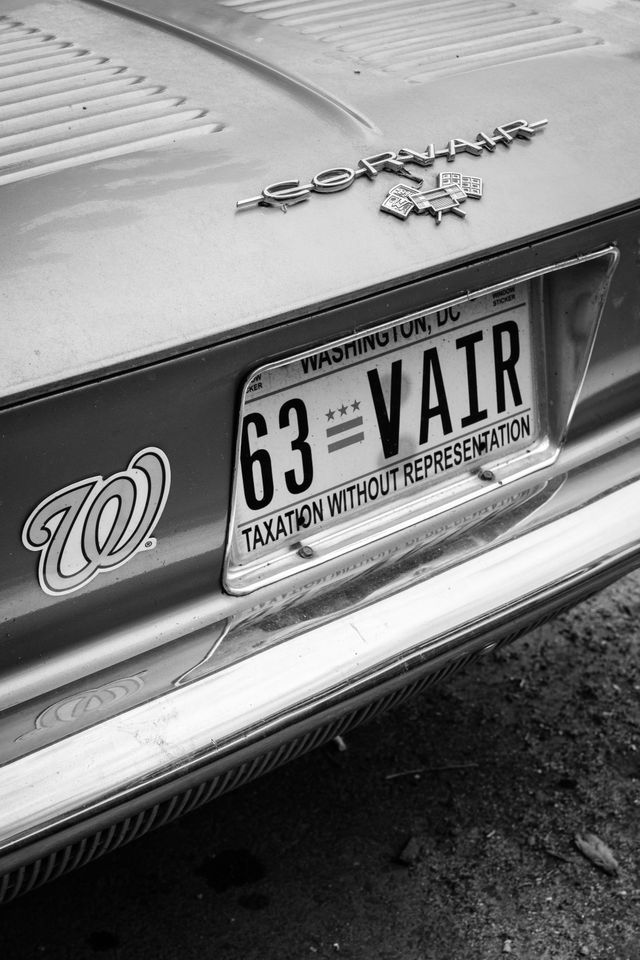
column 207, row 663
column 79, row 706
column 334, row 664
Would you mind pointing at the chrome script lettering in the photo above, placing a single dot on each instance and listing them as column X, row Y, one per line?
column 288, row 192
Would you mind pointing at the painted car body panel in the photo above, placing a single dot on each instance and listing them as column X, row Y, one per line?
column 87, row 249
column 188, row 408
column 136, row 299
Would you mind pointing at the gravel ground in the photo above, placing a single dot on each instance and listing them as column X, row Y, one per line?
column 445, row 831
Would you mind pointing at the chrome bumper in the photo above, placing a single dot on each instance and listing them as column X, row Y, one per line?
column 582, row 536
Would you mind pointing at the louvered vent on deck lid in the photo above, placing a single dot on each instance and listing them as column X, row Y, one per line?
column 416, row 39
column 62, row 105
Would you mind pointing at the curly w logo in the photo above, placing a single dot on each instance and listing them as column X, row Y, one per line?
column 98, row 524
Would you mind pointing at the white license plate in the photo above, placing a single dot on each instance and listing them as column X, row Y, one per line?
column 332, row 437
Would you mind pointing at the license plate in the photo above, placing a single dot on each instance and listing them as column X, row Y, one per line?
column 368, row 427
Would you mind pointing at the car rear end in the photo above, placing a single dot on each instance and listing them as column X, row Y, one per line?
column 270, row 468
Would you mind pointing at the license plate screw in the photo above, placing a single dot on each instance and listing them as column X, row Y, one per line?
column 487, row 475
column 305, row 551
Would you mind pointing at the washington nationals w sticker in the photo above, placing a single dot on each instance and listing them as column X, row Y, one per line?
column 97, row 524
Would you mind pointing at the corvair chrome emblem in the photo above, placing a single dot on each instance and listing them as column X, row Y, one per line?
column 285, row 193
column 97, row 524
column 452, row 189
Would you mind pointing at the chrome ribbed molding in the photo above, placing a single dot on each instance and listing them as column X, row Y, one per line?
column 27, row 877
column 62, row 105
column 418, row 40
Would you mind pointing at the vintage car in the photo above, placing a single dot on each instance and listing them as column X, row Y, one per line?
column 320, row 376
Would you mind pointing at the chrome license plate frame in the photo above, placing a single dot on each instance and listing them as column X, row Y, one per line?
column 292, row 533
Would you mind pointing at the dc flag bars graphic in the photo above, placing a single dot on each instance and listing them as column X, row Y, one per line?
column 342, row 432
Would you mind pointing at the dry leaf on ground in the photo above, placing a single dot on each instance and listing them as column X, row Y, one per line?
column 410, row 853
column 598, row 852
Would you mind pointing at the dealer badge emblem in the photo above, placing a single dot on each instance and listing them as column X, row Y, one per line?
column 451, row 190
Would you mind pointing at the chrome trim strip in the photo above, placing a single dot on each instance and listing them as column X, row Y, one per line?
column 324, row 667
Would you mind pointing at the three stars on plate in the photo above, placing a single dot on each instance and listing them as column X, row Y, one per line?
column 342, row 410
